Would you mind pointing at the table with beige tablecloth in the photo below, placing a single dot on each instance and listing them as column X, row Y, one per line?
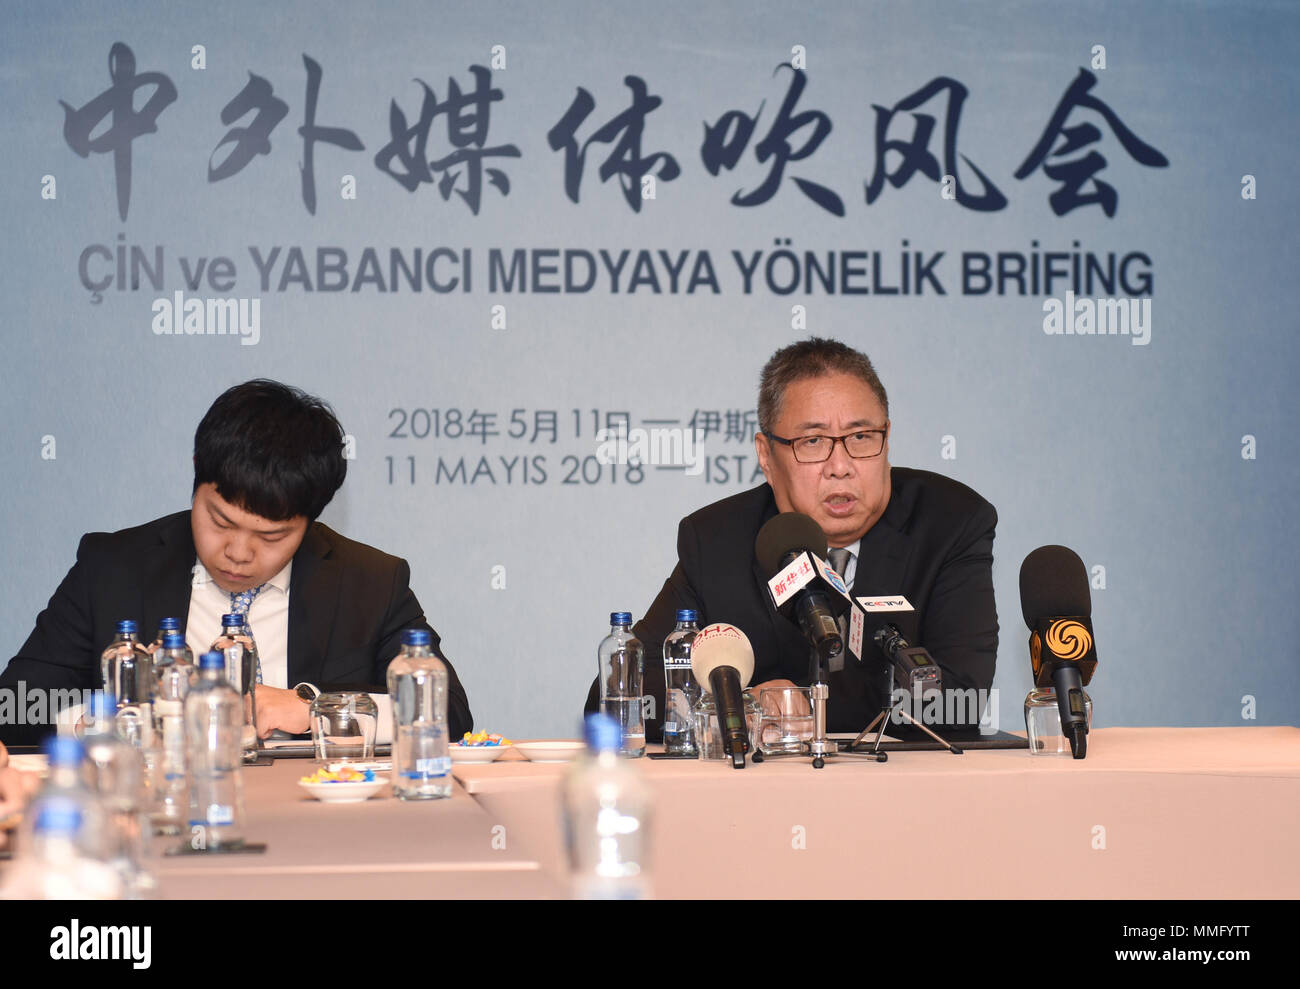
column 1152, row 812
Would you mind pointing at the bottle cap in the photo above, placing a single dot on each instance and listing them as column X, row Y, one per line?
column 620, row 618
column 602, row 733
column 173, row 640
column 126, row 625
column 227, row 620
column 687, row 615
column 63, row 750
column 212, row 661
column 416, row 637
column 170, row 625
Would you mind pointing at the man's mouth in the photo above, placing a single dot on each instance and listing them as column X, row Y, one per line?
column 839, row 504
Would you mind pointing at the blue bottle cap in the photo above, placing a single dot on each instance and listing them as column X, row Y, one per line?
column 227, row 620
column 212, row 661
column 687, row 615
column 170, row 624
column 102, row 705
column 620, row 618
column 127, row 625
column 602, row 733
column 63, row 750
column 416, row 637
column 173, row 640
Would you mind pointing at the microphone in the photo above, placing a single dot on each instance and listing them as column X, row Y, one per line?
column 722, row 657
column 1057, row 607
column 865, row 620
column 914, row 668
column 793, row 547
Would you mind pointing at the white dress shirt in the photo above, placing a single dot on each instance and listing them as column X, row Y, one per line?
column 851, row 570
column 268, row 617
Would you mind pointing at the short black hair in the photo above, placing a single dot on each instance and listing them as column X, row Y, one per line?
column 811, row 358
column 271, row 449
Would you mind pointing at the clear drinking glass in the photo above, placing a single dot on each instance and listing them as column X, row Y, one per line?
column 1043, row 722
column 343, row 726
column 785, row 719
column 708, row 732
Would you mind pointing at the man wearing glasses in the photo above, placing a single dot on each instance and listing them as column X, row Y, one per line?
column 823, row 445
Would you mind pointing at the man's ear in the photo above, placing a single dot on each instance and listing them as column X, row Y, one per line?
column 763, row 447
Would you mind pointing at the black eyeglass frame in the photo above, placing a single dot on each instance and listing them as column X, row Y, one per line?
column 883, row 431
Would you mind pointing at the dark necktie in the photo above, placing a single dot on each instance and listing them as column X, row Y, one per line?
column 839, row 561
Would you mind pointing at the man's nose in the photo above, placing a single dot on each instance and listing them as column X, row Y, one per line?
column 239, row 548
column 839, row 463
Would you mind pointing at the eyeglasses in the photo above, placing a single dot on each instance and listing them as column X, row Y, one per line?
column 860, row 445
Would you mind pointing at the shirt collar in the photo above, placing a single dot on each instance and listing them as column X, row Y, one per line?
column 853, row 548
column 280, row 581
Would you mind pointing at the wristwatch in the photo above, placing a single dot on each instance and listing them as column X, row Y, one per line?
column 307, row 692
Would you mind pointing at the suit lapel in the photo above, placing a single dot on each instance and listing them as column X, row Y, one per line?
column 886, row 548
column 168, row 588
column 313, row 602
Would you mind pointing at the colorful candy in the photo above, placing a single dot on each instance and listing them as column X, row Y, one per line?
column 345, row 775
column 483, row 738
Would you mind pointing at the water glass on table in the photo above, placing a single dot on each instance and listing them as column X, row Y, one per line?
column 343, row 726
column 785, row 719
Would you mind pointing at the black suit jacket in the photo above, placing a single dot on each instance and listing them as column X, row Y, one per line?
column 348, row 605
column 934, row 545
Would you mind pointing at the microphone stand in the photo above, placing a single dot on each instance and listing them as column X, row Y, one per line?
column 821, row 747
column 889, row 708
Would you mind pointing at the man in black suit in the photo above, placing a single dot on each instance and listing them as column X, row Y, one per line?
column 326, row 611
column 823, row 445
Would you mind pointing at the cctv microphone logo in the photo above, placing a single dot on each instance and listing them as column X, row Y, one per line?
column 1068, row 639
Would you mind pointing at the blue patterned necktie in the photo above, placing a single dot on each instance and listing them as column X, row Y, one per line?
column 239, row 604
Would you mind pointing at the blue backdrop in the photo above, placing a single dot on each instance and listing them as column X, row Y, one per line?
column 485, row 231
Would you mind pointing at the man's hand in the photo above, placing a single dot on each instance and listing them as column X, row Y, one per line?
column 283, row 709
column 15, row 790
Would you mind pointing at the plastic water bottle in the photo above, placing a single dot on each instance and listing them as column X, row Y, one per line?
column 213, row 726
column 61, row 853
column 128, row 677
column 417, row 685
column 606, row 817
column 173, row 672
column 115, row 771
column 236, row 644
column 164, row 626
column 682, row 693
column 622, row 668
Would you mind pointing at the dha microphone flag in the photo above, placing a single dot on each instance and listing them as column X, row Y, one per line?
column 722, row 657
column 719, row 645
column 1057, row 607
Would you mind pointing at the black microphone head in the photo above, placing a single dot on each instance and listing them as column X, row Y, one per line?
column 784, row 534
column 1053, row 581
